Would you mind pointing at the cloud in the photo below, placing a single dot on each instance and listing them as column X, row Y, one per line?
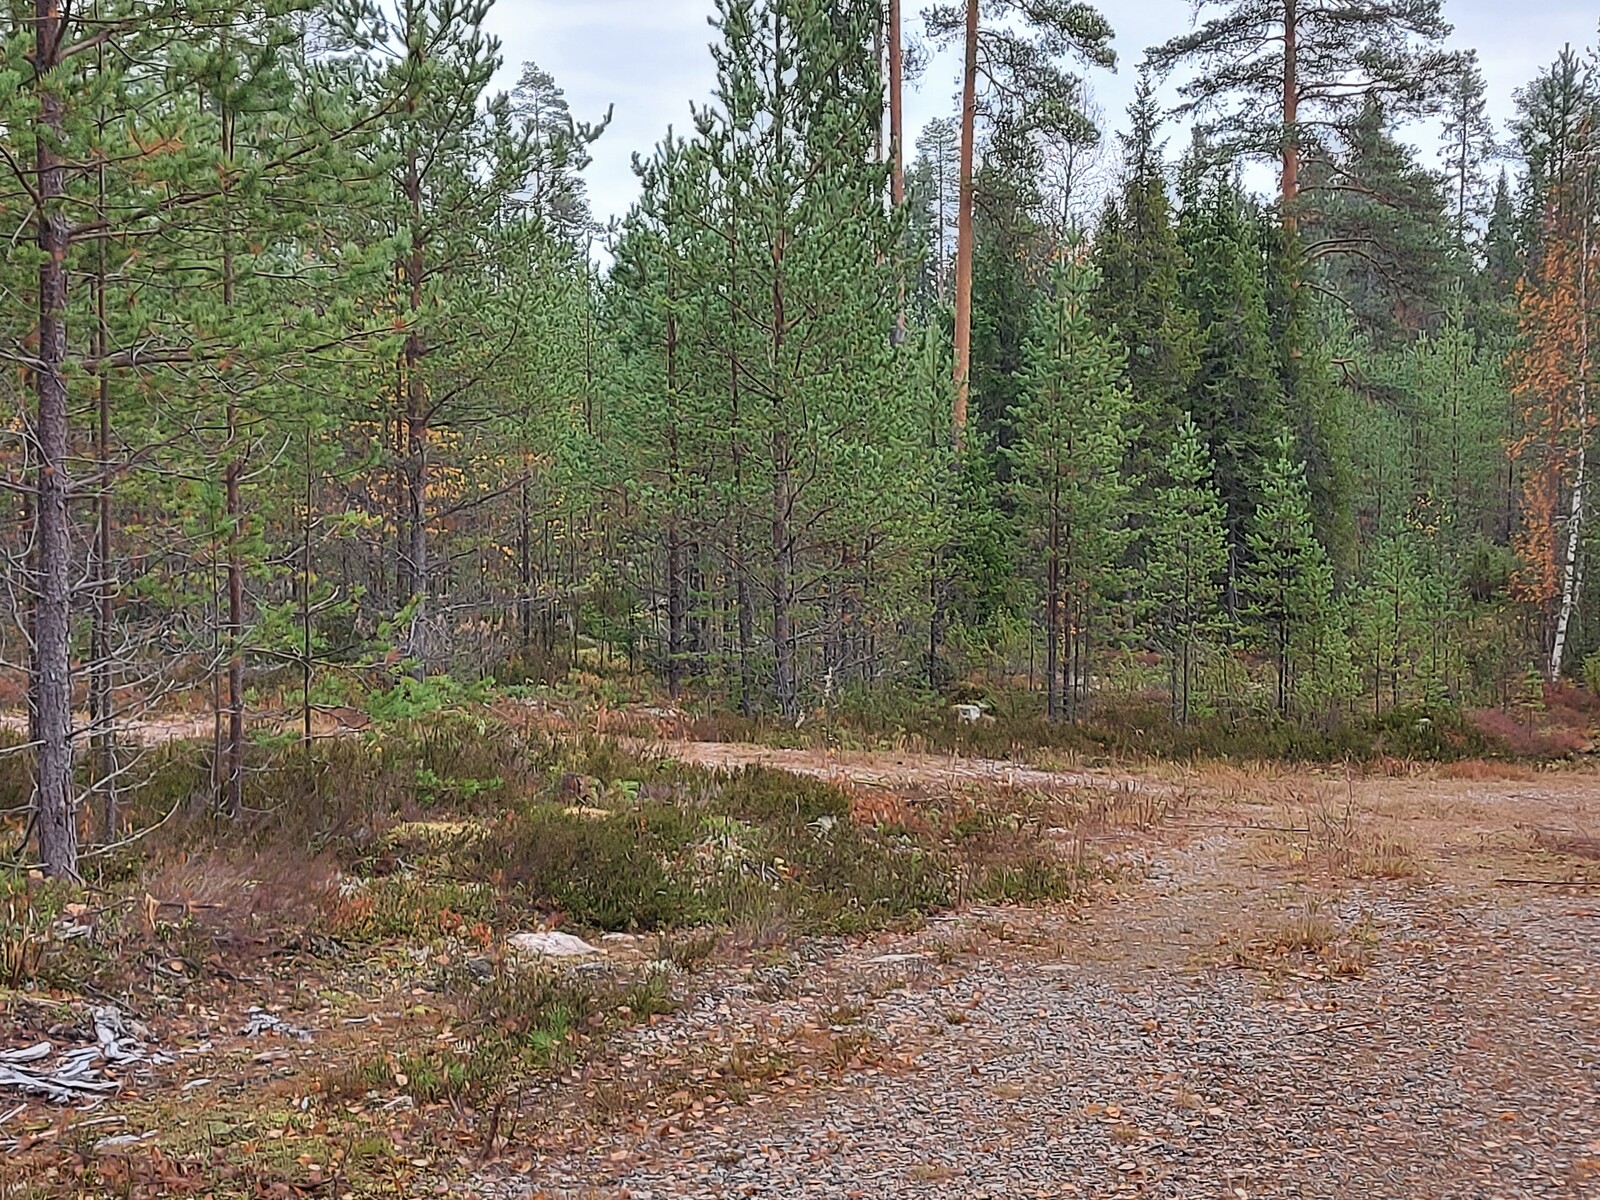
column 650, row 59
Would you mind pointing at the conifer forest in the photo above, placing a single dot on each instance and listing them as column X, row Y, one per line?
column 324, row 380
column 1048, row 649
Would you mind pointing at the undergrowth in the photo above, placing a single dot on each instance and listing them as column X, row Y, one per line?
column 1124, row 729
column 395, row 864
column 462, row 828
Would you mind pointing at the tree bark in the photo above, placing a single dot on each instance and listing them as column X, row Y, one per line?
column 964, row 227
column 675, row 609
column 1052, row 615
column 1571, row 576
column 55, row 807
column 786, row 685
column 897, row 173
column 233, row 793
column 524, row 565
column 416, row 455
column 675, row 573
column 101, row 704
column 305, row 601
column 782, row 580
column 1291, row 115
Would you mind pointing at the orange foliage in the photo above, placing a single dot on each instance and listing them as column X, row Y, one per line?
column 1547, row 373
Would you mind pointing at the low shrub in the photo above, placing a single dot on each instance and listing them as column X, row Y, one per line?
column 1433, row 734
column 1137, row 726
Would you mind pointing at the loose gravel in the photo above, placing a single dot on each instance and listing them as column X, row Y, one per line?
column 1119, row 1051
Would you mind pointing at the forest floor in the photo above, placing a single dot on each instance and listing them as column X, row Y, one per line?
column 1281, row 983
column 1313, row 988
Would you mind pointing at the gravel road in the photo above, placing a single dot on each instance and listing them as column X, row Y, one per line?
column 1451, row 1048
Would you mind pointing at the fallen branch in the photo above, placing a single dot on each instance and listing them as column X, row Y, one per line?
column 1552, row 882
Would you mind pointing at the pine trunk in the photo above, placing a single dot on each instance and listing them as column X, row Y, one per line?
column 233, row 792
column 964, row 226
column 1052, row 618
column 1291, row 114
column 234, row 773
column 101, row 702
column 897, row 176
column 783, row 655
column 675, row 605
column 524, row 565
column 415, row 469
column 675, row 609
column 54, row 801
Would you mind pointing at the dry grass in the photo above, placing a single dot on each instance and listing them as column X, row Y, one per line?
column 1485, row 769
column 1308, row 941
column 1320, row 831
column 1566, row 843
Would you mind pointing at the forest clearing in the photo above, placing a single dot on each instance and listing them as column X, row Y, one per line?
column 910, row 973
column 994, row 600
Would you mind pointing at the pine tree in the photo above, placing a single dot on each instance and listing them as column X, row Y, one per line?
column 559, row 152
column 1404, row 616
column 1028, row 89
column 1451, row 392
column 662, row 407
column 1066, row 463
column 837, row 444
column 461, row 159
column 1288, row 583
column 1270, row 72
column 1185, row 562
column 1466, row 145
column 159, row 165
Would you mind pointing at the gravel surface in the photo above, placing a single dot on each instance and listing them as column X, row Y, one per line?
column 1120, row 1051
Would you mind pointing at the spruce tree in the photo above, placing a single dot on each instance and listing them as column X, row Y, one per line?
column 1140, row 296
column 1235, row 397
column 1378, row 229
column 1315, row 404
column 931, row 187
column 1005, row 268
column 1553, row 366
column 1467, row 144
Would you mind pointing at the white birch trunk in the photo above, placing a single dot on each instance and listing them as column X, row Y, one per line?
column 1570, row 575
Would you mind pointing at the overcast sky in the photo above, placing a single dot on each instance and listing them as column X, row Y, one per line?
column 648, row 58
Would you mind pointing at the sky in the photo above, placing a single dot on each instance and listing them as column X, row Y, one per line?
column 648, row 59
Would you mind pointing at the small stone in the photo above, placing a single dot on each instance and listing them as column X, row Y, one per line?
column 551, row 944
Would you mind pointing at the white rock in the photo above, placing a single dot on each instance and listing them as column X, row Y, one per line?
column 551, row 944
